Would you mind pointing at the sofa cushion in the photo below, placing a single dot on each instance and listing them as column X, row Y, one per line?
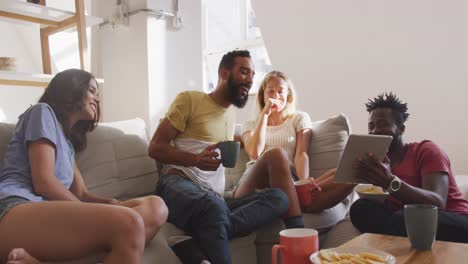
column 328, row 141
column 116, row 162
column 462, row 183
column 6, row 132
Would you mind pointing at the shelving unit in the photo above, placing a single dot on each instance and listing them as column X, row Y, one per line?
column 28, row 79
column 52, row 20
column 24, row 79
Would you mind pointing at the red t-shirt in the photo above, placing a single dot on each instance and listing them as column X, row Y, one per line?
column 423, row 158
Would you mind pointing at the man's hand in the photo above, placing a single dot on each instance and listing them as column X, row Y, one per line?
column 373, row 171
column 207, row 159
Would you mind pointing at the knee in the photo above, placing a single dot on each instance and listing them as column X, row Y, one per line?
column 360, row 205
column 215, row 206
column 159, row 210
column 210, row 218
column 130, row 228
column 359, row 209
column 132, row 222
column 276, row 155
column 278, row 199
column 213, row 212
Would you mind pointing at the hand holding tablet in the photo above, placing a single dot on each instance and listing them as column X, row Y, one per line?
column 359, row 146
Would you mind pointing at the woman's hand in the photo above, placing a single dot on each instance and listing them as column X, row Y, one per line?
column 272, row 105
column 315, row 188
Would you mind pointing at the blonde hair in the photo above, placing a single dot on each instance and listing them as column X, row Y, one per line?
column 291, row 99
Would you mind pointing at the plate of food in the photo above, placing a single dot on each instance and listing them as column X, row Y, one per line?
column 371, row 192
column 352, row 255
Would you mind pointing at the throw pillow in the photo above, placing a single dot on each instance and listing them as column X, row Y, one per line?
column 328, row 141
column 116, row 162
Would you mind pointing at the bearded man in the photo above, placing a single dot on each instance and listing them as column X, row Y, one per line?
column 192, row 182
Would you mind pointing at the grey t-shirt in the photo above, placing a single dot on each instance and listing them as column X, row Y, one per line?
column 38, row 122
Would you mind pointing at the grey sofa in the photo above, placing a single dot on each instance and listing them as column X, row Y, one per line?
column 116, row 164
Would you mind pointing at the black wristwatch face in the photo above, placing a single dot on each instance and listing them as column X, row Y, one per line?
column 395, row 185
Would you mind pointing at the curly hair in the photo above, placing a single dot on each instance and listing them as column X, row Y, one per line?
column 399, row 109
column 64, row 95
column 228, row 59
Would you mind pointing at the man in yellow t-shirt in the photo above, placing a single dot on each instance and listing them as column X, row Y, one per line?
column 192, row 183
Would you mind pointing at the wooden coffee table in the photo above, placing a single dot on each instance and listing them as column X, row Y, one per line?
column 400, row 248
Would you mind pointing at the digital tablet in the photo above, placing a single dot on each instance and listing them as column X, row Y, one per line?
column 356, row 147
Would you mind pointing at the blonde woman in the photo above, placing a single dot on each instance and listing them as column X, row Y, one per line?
column 279, row 127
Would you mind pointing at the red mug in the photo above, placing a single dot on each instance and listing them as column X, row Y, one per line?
column 296, row 246
column 304, row 192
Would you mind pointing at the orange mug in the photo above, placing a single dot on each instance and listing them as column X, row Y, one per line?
column 304, row 192
column 296, row 246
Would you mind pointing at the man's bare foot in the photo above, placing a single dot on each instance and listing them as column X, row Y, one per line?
column 20, row 256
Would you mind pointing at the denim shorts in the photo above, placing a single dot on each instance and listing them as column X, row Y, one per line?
column 7, row 203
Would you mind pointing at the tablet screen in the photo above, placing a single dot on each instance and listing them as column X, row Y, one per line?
column 356, row 147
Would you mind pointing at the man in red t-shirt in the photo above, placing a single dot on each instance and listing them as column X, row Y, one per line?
column 413, row 173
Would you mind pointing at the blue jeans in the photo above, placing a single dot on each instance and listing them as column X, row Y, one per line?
column 212, row 221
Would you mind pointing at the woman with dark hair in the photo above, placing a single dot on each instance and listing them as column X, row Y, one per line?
column 45, row 207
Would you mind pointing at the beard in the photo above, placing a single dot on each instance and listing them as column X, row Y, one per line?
column 234, row 95
column 395, row 142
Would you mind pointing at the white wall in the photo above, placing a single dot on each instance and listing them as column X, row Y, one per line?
column 339, row 53
column 175, row 56
column 145, row 65
column 120, row 57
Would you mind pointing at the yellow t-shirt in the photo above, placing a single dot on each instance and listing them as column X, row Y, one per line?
column 197, row 116
column 201, row 122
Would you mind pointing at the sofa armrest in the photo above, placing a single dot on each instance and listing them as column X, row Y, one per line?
column 462, row 182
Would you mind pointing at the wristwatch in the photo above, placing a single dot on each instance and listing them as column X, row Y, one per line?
column 395, row 185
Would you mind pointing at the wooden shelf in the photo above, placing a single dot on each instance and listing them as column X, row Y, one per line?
column 28, row 79
column 52, row 20
column 43, row 15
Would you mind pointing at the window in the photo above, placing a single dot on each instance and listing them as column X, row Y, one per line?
column 229, row 25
